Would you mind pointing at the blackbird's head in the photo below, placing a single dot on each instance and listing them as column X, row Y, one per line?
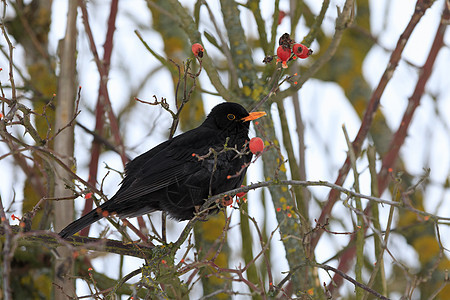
column 229, row 115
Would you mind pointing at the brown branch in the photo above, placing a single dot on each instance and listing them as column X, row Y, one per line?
column 356, row 283
column 103, row 100
column 137, row 232
column 101, row 140
column 399, row 137
column 20, row 159
column 10, row 115
column 103, row 72
column 414, row 101
column 374, row 103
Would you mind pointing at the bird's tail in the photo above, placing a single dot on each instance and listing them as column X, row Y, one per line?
column 81, row 223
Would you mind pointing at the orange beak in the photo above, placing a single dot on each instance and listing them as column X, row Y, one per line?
column 253, row 116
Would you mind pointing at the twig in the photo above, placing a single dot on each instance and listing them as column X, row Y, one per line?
column 137, row 232
column 399, row 136
column 355, row 282
column 53, row 240
column 343, row 20
column 421, row 7
column 125, row 279
column 225, row 49
column 11, row 64
column 7, row 253
column 414, row 101
column 70, row 123
column 100, row 139
column 188, row 24
column 103, row 71
column 103, row 101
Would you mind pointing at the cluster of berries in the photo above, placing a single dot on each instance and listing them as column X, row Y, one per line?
column 288, row 50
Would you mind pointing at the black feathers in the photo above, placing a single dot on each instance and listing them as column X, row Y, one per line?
column 171, row 178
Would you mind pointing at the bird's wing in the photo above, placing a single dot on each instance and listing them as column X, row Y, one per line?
column 166, row 164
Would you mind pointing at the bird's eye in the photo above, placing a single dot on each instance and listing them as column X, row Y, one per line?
column 231, row 117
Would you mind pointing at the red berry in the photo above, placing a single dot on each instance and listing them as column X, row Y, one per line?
column 256, row 145
column 241, row 194
column 300, row 50
column 283, row 53
column 197, row 49
column 281, row 16
column 227, row 200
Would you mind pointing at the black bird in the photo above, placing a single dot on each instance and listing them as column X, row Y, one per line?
column 172, row 178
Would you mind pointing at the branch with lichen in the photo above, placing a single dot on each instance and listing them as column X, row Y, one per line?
column 374, row 104
column 188, row 24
